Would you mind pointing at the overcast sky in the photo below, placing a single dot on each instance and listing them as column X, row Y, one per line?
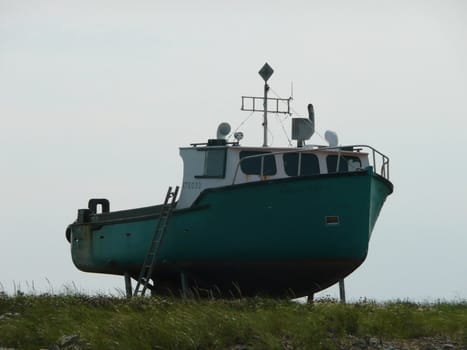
column 97, row 96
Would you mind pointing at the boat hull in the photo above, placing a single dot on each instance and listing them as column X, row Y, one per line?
column 288, row 237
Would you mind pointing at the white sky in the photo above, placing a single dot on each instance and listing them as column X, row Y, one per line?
column 97, row 96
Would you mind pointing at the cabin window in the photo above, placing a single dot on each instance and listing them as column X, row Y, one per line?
column 214, row 162
column 346, row 163
column 309, row 164
column 253, row 166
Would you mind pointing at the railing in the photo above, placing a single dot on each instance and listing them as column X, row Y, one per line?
column 377, row 160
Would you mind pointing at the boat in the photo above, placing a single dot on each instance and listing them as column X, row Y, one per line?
column 276, row 221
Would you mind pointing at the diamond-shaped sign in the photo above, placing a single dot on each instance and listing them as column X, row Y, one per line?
column 266, row 72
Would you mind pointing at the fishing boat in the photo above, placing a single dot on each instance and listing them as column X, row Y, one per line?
column 277, row 221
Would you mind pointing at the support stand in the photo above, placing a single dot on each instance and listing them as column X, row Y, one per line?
column 342, row 291
column 128, row 288
column 184, row 282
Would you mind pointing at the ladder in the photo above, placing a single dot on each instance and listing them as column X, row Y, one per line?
column 151, row 255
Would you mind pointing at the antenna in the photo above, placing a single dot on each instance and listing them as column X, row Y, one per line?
column 249, row 103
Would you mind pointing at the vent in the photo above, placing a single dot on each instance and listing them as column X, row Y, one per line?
column 332, row 220
column 302, row 129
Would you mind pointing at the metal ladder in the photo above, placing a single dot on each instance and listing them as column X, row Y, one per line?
column 151, row 255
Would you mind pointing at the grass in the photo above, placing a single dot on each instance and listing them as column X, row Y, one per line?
column 37, row 321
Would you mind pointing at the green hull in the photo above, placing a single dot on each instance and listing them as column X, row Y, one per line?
column 293, row 236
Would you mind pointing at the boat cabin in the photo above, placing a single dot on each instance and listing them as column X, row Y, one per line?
column 218, row 163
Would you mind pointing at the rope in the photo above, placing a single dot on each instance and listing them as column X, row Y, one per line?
column 283, row 128
column 241, row 124
column 272, row 136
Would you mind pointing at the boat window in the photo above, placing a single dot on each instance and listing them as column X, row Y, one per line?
column 252, row 166
column 346, row 163
column 214, row 162
column 309, row 164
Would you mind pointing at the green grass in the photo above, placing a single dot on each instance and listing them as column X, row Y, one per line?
column 32, row 322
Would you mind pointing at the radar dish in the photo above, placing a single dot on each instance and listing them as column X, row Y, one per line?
column 223, row 130
column 331, row 138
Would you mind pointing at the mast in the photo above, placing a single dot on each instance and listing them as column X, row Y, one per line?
column 265, row 73
column 249, row 103
column 265, row 118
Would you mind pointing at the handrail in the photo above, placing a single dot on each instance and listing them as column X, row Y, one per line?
column 383, row 171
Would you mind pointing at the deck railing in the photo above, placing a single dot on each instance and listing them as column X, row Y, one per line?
column 376, row 159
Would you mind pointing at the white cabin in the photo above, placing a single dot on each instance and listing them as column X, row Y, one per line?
column 218, row 163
